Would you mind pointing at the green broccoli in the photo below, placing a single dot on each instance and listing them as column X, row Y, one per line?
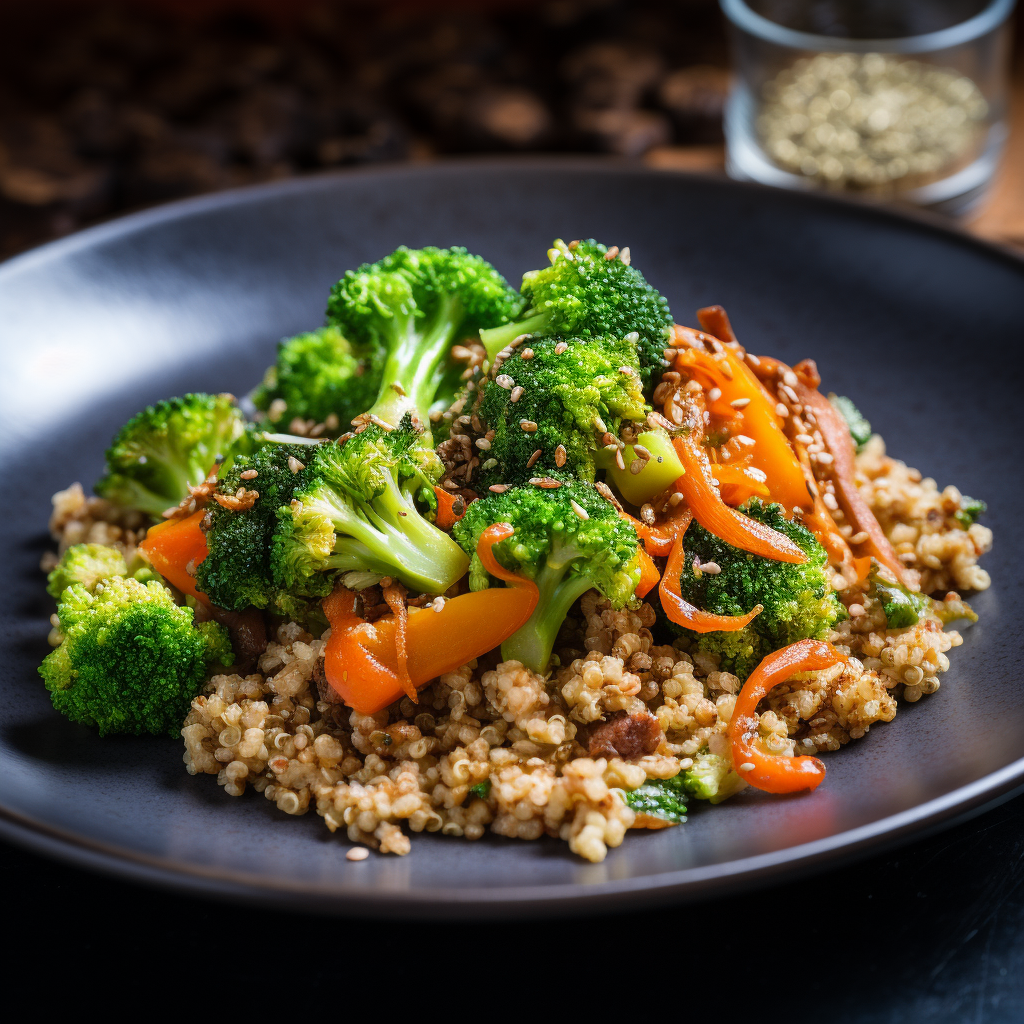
column 660, row 798
column 587, row 295
column 410, row 307
column 970, row 511
column 568, row 540
column 798, row 600
column 131, row 660
column 236, row 574
column 318, row 374
column 355, row 510
column 168, row 447
column 85, row 565
column 902, row 607
column 573, row 390
column 860, row 429
column 711, row 777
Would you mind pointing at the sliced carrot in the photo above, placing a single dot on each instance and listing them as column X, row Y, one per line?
column 768, row 772
column 448, row 506
column 649, row 575
column 174, row 547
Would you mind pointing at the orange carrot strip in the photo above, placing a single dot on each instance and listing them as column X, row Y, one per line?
column 699, row 489
column 766, row 771
column 173, row 547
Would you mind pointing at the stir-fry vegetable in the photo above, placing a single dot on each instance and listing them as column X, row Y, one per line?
column 364, row 661
column 766, row 771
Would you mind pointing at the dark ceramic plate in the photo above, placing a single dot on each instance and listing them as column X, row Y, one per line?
column 920, row 325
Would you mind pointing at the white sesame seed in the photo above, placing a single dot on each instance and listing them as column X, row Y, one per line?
column 498, row 488
column 712, row 568
column 600, row 425
column 824, row 458
column 357, row 853
column 859, row 538
column 624, row 255
column 579, row 509
column 747, row 766
column 743, row 439
column 641, row 452
column 804, row 439
column 503, row 380
column 528, row 425
column 758, row 474
column 855, row 610
column 249, row 474
column 789, row 377
column 517, row 393
column 294, row 465
column 740, row 403
column 782, row 410
column 634, row 336
column 830, row 501
column 636, row 466
column 714, row 394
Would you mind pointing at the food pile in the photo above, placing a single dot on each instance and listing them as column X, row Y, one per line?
column 539, row 561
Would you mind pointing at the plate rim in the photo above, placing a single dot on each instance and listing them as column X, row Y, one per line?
column 685, row 884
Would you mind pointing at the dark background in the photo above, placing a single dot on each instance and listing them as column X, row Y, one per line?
column 109, row 108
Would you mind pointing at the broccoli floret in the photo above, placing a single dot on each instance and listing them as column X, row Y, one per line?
column 355, row 509
column 568, row 540
column 236, row 573
column 584, row 294
column 574, row 390
column 660, row 798
column 85, row 565
column 798, row 600
column 711, row 777
column 131, row 660
column 860, row 429
column 902, row 607
column 970, row 511
column 410, row 307
column 318, row 374
column 168, row 447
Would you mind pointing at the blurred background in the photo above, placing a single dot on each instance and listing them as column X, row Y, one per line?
column 108, row 107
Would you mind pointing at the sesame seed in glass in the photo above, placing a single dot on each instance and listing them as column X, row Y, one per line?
column 900, row 100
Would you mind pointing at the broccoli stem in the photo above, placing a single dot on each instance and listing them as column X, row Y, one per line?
column 413, row 371
column 494, row 339
column 392, row 538
column 533, row 642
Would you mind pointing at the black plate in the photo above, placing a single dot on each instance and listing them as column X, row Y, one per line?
column 920, row 325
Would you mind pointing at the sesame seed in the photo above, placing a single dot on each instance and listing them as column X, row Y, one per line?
column 560, row 348
column 743, row 439
column 519, row 340
column 528, row 425
column 482, row 443
column 579, row 509
column 634, row 336
column 560, row 456
column 517, row 393
column 782, row 410
column 636, row 466
column 830, row 501
column 757, row 474
column 838, row 582
column 612, row 253
column 294, row 465
column 438, row 603
column 712, row 568
column 855, row 610
column 674, row 499
column 859, row 538
column 804, row 439
column 503, row 380
column 619, row 460
column 789, row 377
column 747, row 766
column 740, row 403
column 357, row 853
column 527, row 353
column 641, row 452
column 753, row 361
column 599, row 424
column 647, row 514
column 533, row 459
column 546, row 482
column 498, row 488
column 624, row 256
column 249, row 474
column 714, row 394
column 797, row 510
